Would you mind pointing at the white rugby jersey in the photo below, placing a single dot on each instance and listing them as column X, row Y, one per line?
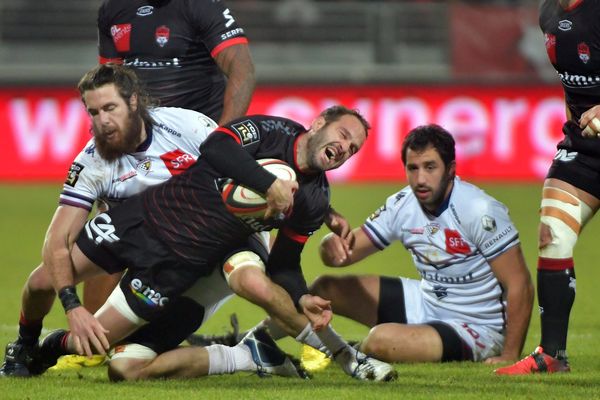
column 451, row 250
column 171, row 147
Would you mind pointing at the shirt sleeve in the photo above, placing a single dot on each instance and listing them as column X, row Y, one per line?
column 216, row 25
column 107, row 51
column 382, row 226
column 85, row 180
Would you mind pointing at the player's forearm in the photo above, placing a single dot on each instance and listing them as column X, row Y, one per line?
column 238, row 94
column 58, row 261
column 518, row 314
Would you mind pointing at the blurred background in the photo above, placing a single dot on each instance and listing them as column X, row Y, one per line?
column 479, row 68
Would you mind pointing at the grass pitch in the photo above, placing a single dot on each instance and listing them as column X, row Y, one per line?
column 26, row 213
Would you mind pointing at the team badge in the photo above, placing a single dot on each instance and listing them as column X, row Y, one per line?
column 432, row 228
column 584, row 52
column 121, row 34
column 162, row 35
column 565, row 25
column 144, row 166
column 377, row 213
column 73, row 175
column 440, row 291
column 145, row 10
column 247, row 131
column 488, row 223
column 550, row 42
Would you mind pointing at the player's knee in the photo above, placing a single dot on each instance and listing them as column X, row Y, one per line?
column 326, row 286
column 39, row 281
column 250, row 283
column 377, row 343
column 237, row 264
column 562, row 217
column 128, row 362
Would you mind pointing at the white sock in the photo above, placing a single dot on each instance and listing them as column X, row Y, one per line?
column 309, row 337
column 332, row 340
column 227, row 360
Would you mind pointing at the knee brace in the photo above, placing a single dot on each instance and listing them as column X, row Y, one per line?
column 242, row 259
column 565, row 215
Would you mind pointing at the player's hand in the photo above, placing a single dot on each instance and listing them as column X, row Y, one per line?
column 338, row 224
column 317, row 310
column 87, row 333
column 280, row 198
column 500, row 359
column 590, row 122
column 335, row 251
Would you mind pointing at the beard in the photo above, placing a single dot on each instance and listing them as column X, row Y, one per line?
column 129, row 138
column 438, row 196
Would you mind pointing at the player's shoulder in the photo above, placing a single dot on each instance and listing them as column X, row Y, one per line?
column 177, row 120
column 472, row 202
column 272, row 123
column 89, row 156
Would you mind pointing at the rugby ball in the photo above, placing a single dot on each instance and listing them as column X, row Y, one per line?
column 245, row 202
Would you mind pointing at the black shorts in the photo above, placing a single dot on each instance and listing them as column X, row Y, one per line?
column 392, row 308
column 119, row 239
column 577, row 161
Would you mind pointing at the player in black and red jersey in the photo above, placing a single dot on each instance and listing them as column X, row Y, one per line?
column 190, row 54
column 571, row 194
column 167, row 238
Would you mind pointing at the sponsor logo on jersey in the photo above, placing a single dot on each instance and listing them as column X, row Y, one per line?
column 232, row 33
column 440, row 291
column 145, row 10
column 454, row 280
column 455, row 244
column 177, row 161
column 414, row 231
column 144, row 166
column 148, row 295
column 162, row 35
column 488, row 223
column 121, row 34
column 174, row 62
column 73, row 175
column 550, row 42
column 455, row 214
column 584, row 52
column 91, row 149
column 170, row 130
column 255, row 224
column 565, row 156
column 126, row 176
column 247, row 131
column 399, row 197
column 497, row 238
column 271, row 125
column 100, row 229
column 565, row 25
column 228, row 18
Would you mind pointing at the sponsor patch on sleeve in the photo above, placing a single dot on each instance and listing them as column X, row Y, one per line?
column 73, row 174
column 247, row 131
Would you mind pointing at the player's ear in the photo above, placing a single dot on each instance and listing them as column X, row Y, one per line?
column 133, row 102
column 317, row 124
column 452, row 169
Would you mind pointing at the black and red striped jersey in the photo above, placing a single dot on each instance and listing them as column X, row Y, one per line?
column 171, row 44
column 188, row 214
column 572, row 39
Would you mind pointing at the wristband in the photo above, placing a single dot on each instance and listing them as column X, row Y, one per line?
column 68, row 297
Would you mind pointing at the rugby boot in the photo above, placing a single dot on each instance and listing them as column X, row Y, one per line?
column 536, row 362
column 18, row 359
column 51, row 349
column 362, row 367
column 270, row 359
column 228, row 339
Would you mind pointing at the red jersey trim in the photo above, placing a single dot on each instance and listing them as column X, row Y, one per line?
column 296, row 237
column 573, row 6
column 226, row 44
column 230, row 133
column 104, row 60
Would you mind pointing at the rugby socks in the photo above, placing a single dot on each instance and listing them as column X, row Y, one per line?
column 309, row 337
column 29, row 331
column 556, row 294
column 332, row 340
column 226, row 360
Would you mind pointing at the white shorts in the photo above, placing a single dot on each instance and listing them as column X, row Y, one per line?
column 484, row 341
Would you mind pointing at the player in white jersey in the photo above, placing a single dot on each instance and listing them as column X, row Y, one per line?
column 474, row 298
column 134, row 147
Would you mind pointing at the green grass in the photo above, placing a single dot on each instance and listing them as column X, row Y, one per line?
column 27, row 210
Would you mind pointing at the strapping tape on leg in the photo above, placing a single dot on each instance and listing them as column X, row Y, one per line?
column 242, row 259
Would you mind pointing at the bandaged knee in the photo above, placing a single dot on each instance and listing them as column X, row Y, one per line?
column 241, row 260
column 564, row 215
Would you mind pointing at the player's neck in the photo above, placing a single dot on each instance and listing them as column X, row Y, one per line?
column 300, row 153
